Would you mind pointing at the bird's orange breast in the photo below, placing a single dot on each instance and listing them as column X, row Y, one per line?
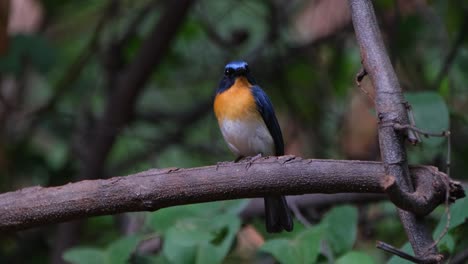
column 237, row 102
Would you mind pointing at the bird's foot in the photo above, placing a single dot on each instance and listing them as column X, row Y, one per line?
column 221, row 163
column 251, row 160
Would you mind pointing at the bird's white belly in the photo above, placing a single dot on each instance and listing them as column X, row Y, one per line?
column 247, row 138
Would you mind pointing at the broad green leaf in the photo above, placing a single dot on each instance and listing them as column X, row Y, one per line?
column 223, row 239
column 280, row 249
column 458, row 213
column 447, row 244
column 121, row 250
column 175, row 250
column 430, row 113
column 82, row 255
column 201, row 240
column 117, row 252
column 163, row 219
column 304, row 248
column 354, row 257
column 341, row 228
column 215, row 251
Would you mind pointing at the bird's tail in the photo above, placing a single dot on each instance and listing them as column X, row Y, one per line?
column 277, row 215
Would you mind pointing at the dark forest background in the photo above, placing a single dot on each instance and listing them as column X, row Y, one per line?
column 99, row 88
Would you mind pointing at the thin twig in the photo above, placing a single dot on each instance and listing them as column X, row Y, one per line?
column 297, row 213
column 395, row 251
column 325, row 249
column 446, row 181
column 447, row 212
column 413, row 137
column 398, row 126
column 449, row 150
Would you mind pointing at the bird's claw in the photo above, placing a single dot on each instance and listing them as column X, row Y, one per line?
column 251, row 160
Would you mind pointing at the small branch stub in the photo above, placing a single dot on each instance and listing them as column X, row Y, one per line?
column 429, row 192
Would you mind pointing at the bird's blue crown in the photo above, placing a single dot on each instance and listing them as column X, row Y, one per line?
column 237, row 65
column 232, row 70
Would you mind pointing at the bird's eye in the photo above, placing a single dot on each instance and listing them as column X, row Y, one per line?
column 247, row 68
column 228, row 71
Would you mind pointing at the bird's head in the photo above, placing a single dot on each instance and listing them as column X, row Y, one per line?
column 232, row 71
column 236, row 68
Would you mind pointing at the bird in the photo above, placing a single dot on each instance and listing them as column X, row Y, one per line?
column 250, row 128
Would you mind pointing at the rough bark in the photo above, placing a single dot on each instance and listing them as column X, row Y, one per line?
column 159, row 188
column 390, row 106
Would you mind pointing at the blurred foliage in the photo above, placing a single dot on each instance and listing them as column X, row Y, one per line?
column 117, row 252
column 310, row 81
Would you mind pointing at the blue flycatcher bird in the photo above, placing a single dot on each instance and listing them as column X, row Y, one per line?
column 249, row 127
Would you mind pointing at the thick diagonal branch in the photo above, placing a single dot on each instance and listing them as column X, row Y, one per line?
column 159, row 188
column 390, row 107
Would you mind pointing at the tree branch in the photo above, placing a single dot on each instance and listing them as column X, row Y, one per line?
column 390, row 107
column 159, row 188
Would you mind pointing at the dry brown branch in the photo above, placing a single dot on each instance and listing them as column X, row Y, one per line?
column 390, row 106
column 159, row 188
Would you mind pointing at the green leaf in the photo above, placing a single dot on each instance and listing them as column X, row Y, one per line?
column 341, row 228
column 223, row 237
column 84, row 256
column 117, row 252
column 201, row 240
column 458, row 213
column 281, row 250
column 354, row 257
column 447, row 244
column 163, row 219
column 459, row 216
column 121, row 250
column 430, row 114
column 304, row 248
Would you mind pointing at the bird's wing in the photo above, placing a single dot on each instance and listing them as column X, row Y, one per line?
column 265, row 108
